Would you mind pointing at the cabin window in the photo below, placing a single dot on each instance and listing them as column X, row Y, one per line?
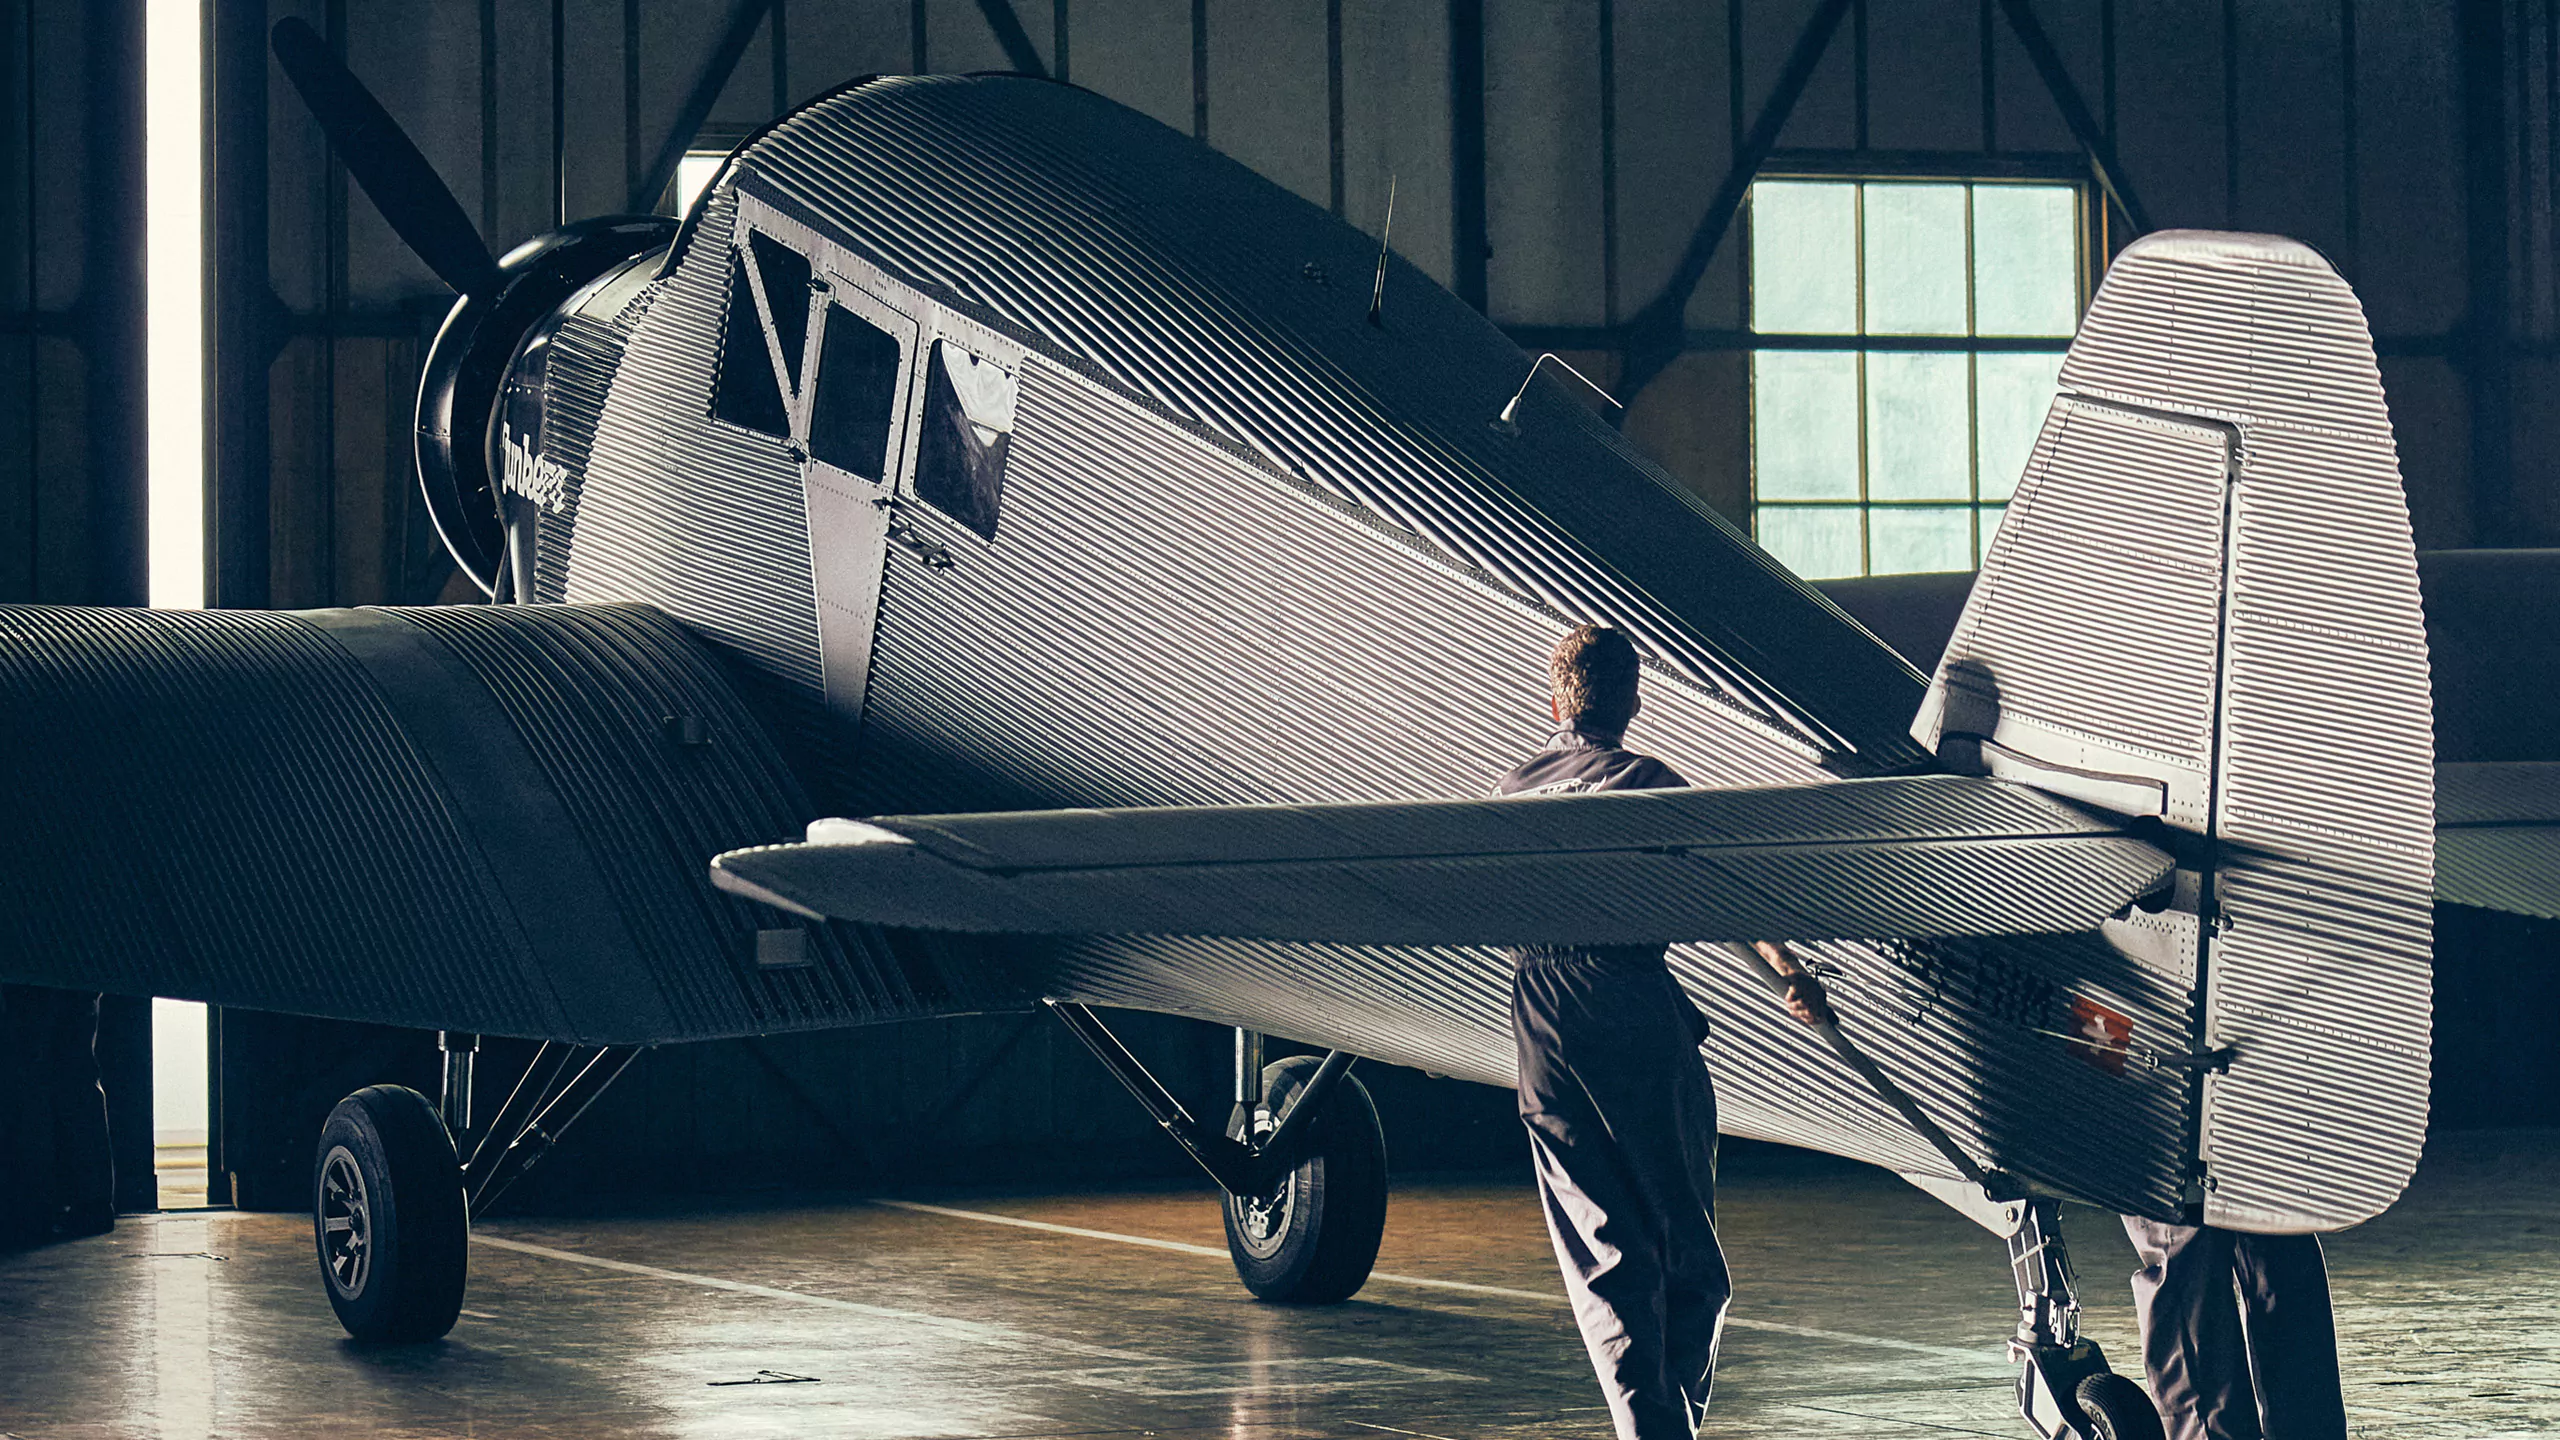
column 747, row 392
column 785, row 273
column 855, row 406
column 1907, row 339
column 968, row 427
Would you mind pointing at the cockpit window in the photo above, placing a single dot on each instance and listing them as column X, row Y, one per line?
column 968, row 427
column 785, row 272
column 854, row 408
column 746, row 391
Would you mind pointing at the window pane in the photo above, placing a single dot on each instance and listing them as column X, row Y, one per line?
column 1917, row 539
column 1992, row 515
column 1804, row 273
column 1916, row 427
column 1818, row 542
column 745, row 393
column 2011, row 394
column 850, row 416
column 785, row 273
column 968, row 426
column 1915, row 259
column 2026, row 259
column 1804, row 424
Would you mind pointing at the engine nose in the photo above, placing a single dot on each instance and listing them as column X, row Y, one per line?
column 466, row 370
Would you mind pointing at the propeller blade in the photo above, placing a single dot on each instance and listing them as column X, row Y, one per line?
column 399, row 181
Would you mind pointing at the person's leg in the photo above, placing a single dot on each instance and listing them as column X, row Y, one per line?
column 2293, row 1339
column 1582, row 1047
column 2192, row 1346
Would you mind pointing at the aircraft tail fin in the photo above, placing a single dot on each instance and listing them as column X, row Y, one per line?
column 2203, row 605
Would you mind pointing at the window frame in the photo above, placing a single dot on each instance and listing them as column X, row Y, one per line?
column 1861, row 169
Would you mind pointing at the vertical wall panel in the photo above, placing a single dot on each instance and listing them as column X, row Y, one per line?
column 300, row 429
column 424, row 63
column 1267, row 100
column 833, row 41
column 2430, row 420
column 299, row 178
column 2409, row 167
column 2169, row 109
column 1395, row 104
column 593, row 94
column 1826, row 118
column 65, row 498
column 1674, row 140
column 526, row 205
column 959, row 40
column 57, row 190
column 1138, row 52
column 2292, row 146
column 2029, row 120
column 1923, row 62
column 1542, row 162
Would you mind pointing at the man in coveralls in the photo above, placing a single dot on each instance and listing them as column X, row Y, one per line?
column 1621, row 1117
column 2201, row 1347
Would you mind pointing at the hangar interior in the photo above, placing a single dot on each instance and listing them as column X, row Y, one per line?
column 1700, row 206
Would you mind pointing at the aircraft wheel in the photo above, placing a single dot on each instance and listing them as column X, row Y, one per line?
column 2119, row 1409
column 389, row 1217
column 1314, row 1238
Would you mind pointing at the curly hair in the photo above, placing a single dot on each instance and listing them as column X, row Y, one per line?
column 1592, row 675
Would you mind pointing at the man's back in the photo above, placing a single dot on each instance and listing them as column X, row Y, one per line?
column 1576, row 761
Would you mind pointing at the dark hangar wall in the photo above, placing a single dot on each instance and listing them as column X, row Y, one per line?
column 1552, row 160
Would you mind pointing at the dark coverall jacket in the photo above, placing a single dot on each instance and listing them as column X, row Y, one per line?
column 1622, row 1129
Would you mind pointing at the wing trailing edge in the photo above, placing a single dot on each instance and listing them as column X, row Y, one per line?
column 1913, row 857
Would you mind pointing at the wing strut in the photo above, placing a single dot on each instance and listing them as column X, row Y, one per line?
column 1238, row 1167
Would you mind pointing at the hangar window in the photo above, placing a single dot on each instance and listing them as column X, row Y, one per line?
column 1907, row 336
column 853, row 411
column 968, row 427
column 747, row 390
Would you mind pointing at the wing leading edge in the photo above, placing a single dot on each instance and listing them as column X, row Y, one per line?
column 1915, row 857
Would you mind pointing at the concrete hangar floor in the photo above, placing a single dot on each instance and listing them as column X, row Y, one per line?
column 1864, row 1309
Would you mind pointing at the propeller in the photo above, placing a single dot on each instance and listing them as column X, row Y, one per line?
column 399, row 181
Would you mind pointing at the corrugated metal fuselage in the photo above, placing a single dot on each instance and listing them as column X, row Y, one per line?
column 1250, row 547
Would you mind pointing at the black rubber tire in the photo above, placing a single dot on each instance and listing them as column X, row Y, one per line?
column 1314, row 1240
column 386, row 1175
column 2119, row 1409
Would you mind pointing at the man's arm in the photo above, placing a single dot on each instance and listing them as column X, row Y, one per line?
column 1804, row 995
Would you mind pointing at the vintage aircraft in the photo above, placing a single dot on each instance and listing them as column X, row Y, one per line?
column 977, row 446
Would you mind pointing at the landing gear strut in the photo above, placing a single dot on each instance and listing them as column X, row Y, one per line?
column 392, row 1198
column 1302, row 1160
column 2064, row 1387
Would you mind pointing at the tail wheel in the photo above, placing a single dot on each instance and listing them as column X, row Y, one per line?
column 389, row 1217
column 2118, row 1409
column 1314, row 1237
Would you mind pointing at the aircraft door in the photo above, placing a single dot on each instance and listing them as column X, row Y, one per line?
column 854, row 405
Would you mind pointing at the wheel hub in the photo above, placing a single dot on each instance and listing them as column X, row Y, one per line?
column 346, row 1223
column 1263, row 1220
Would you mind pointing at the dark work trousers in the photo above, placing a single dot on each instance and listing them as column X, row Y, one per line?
column 2202, row 1347
column 1622, row 1127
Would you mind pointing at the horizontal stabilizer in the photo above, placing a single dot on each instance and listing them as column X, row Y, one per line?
column 1926, row 856
column 2498, row 837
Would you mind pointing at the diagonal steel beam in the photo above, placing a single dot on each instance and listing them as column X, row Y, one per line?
column 1655, row 333
column 1010, row 34
column 2075, row 111
column 716, row 70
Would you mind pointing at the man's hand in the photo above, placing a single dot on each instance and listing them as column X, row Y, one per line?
column 1804, row 994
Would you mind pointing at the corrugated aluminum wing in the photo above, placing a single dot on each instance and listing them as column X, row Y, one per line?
column 1928, row 857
